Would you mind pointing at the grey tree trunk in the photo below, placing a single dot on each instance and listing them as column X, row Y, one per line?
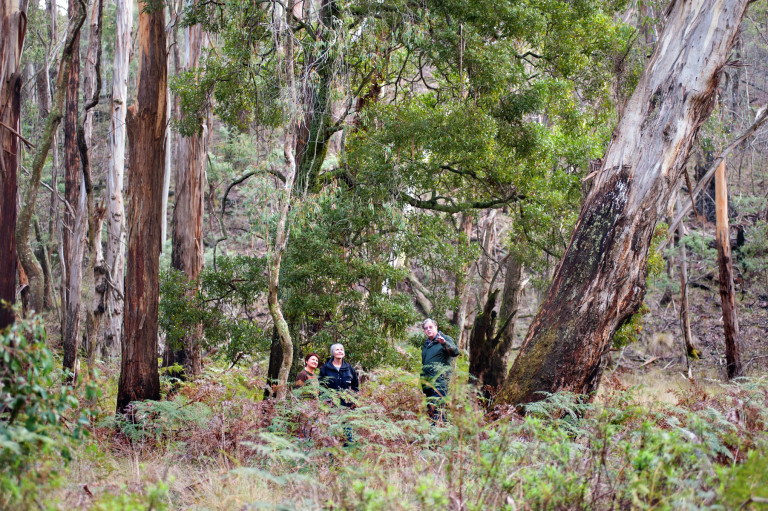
column 600, row 282
column 94, row 278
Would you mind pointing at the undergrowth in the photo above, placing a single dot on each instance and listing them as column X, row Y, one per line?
column 214, row 447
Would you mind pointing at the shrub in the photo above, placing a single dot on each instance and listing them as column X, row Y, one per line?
column 36, row 411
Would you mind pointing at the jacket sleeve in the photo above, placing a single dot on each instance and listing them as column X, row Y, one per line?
column 355, row 382
column 323, row 377
column 450, row 346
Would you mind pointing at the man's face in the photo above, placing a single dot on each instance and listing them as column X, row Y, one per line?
column 312, row 362
column 431, row 330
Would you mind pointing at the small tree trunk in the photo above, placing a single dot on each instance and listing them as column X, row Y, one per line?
column 139, row 377
column 187, row 239
column 730, row 320
column 463, row 290
column 600, row 282
column 482, row 344
column 488, row 244
column 685, row 318
column 75, row 221
column 93, row 280
column 282, row 230
column 13, row 28
column 24, row 223
column 115, row 250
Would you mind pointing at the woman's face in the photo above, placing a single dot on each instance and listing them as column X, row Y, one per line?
column 338, row 352
column 312, row 362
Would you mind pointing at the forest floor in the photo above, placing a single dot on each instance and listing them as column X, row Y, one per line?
column 653, row 437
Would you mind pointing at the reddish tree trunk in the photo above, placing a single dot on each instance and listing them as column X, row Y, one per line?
column 187, row 239
column 600, row 282
column 74, row 210
column 730, row 320
column 13, row 28
column 139, row 377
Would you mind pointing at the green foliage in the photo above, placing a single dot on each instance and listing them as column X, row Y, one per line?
column 743, row 482
column 225, row 305
column 153, row 497
column 159, row 422
column 39, row 417
column 338, row 278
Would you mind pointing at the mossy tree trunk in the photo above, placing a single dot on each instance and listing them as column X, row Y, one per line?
column 24, row 223
column 600, row 282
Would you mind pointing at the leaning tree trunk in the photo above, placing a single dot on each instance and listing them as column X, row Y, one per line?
column 724, row 263
column 187, row 236
column 75, row 213
column 23, row 225
column 600, row 282
column 13, row 28
column 139, row 377
column 115, row 209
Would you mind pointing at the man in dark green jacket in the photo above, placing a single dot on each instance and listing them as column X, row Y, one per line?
column 436, row 353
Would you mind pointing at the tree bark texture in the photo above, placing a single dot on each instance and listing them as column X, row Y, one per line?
column 13, row 29
column 139, row 377
column 725, row 265
column 282, row 229
column 492, row 336
column 75, row 213
column 115, row 248
column 463, row 289
column 316, row 128
column 600, row 282
column 24, row 223
column 187, row 236
column 685, row 317
column 93, row 280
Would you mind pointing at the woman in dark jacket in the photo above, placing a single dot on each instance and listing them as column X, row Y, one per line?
column 337, row 374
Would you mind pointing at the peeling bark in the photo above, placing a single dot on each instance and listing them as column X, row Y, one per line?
column 13, row 28
column 115, row 250
column 187, row 236
column 600, row 282
column 724, row 263
column 139, row 377
column 23, row 225
column 75, row 222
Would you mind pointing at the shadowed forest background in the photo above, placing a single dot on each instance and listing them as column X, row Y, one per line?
column 195, row 195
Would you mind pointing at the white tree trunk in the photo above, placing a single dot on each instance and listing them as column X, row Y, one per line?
column 115, row 256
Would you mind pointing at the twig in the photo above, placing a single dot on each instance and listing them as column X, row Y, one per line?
column 27, row 142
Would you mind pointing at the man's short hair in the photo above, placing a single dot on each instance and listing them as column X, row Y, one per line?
column 428, row 320
column 334, row 346
column 310, row 355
